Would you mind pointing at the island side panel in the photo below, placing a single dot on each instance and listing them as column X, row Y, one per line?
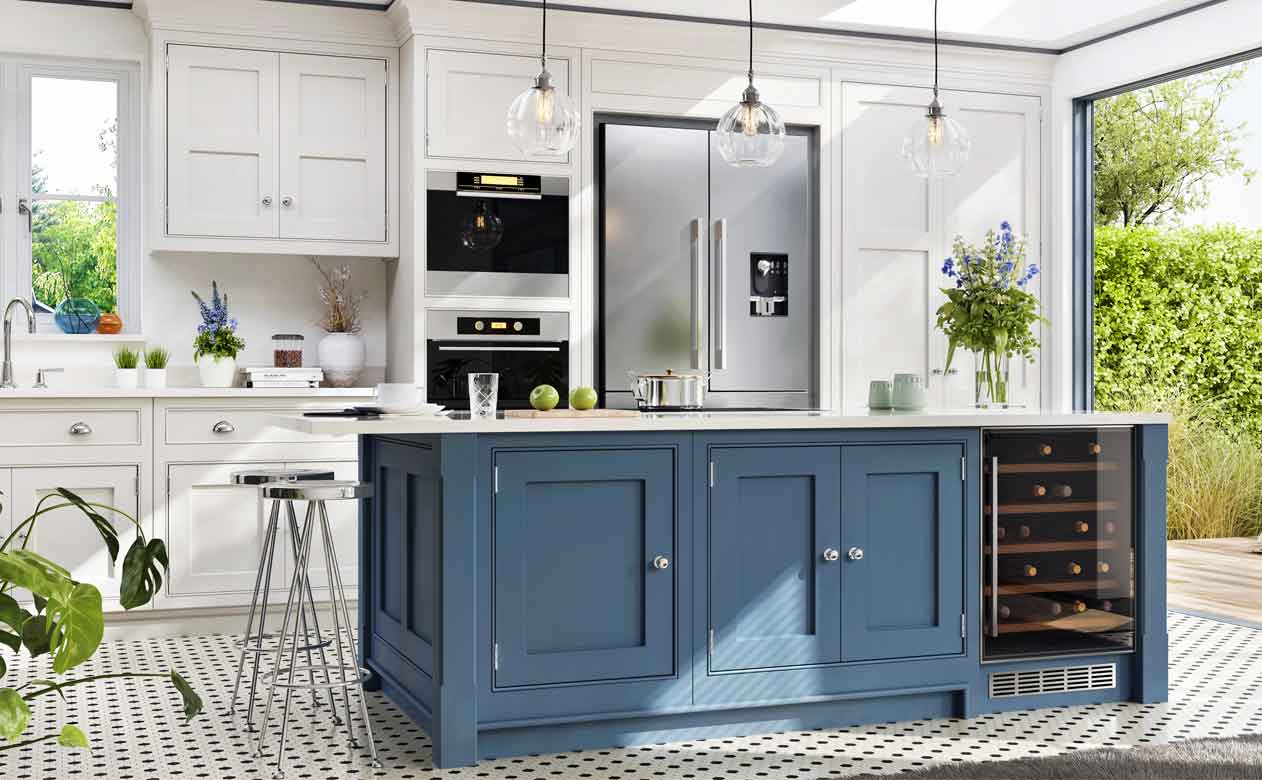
column 1152, row 663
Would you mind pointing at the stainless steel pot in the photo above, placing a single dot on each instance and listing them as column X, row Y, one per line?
column 669, row 390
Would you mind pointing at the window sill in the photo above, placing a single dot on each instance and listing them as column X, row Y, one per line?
column 79, row 338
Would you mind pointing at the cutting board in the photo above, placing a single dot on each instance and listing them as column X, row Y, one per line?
column 556, row 414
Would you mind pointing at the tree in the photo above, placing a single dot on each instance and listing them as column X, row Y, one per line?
column 1158, row 148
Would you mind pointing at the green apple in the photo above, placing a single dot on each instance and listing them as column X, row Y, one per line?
column 544, row 398
column 583, row 398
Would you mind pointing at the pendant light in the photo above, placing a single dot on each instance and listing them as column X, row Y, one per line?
column 937, row 145
column 751, row 134
column 543, row 120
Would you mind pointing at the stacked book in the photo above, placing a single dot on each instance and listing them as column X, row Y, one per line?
column 266, row 376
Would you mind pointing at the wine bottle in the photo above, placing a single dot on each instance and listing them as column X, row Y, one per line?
column 1110, row 527
column 1001, row 532
column 1029, row 608
column 1081, row 526
column 1094, row 448
column 1024, row 532
column 1102, row 567
column 1045, row 450
column 1073, row 568
column 1079, row 606
column 1011, row 570
column 1062, row 491
column 1039, row 490
column 1105, row 605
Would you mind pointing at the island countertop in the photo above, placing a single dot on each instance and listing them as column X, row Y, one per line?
column 720, row 421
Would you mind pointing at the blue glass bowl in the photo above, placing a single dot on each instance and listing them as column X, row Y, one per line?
column 77, row 315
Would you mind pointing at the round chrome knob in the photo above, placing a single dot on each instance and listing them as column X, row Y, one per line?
column 80, row 429
column 831, row 555
column 287, row 201
column 855, row 554
column 267, row 201
column 661, row 563
column 223, row 426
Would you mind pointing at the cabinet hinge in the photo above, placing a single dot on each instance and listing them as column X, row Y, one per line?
column 497, row 479
column 136, row 484
column 963, row 468
column 710, row 643
column 711, row 473
column 963, row 626
column 495, row 657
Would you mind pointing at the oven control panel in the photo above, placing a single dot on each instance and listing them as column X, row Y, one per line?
column 494, row 326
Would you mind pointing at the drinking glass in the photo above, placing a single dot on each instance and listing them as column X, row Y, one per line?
column 484, row 395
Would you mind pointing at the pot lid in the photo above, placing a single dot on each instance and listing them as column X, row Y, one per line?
column 671, row 373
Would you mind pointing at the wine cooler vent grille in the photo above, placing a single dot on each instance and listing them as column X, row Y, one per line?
column 1061, row 679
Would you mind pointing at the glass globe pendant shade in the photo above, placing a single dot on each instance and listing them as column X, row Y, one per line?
column 543, row 120
column 936, row 145
column 483, row 229
column 751, row 134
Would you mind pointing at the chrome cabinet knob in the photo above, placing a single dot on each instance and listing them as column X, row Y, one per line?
column 267, row 201
column 831, row 555
column 855, row 554
column 80, row 429
column 223, row 426
column 286, row 201
column 661, row 563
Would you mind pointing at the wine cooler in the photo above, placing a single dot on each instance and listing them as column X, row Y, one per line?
column 1059, row 541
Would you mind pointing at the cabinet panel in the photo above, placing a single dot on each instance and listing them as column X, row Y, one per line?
column 468, row 97
column 66, row 536
column 577, row 594
column 904, row 510
column 773, row 596
column 332, row 148
column 221, row 142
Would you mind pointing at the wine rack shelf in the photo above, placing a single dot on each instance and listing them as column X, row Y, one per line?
column 1060, row 586
column 1042, row 547
column 1060, row 507
column 1093, row 621
column 1057, row 468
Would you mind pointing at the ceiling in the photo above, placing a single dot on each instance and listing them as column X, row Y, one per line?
column 379, row 5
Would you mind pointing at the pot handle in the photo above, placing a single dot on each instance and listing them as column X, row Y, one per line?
column 637, row 386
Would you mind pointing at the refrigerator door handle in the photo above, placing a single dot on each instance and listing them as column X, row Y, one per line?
column 698, row 297
column 720, row 287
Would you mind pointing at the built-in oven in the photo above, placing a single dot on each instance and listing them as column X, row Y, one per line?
column 525, row 349
column 495, row 234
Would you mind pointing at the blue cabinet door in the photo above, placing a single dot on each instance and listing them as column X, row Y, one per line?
column 584, row 565
column 773, row 594
column 903, row 555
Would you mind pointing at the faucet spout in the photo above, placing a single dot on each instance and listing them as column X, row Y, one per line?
column 6, row 372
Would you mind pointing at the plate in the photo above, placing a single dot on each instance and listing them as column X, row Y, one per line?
column 424, row 410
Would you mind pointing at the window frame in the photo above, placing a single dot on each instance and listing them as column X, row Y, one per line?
column 129, row 195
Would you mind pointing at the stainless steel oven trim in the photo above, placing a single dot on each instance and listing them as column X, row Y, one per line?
column 496, row 348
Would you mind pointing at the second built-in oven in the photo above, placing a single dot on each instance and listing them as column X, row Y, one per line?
column 525, row 349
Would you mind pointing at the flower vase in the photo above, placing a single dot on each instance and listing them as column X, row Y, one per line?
column 217, row 371
column 77, row 315
column 990, row 379
column 341, row 358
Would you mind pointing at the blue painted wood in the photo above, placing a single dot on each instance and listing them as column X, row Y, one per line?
column 774, row 599
column 904, row 508
column 577, row 597
column 1153, row 642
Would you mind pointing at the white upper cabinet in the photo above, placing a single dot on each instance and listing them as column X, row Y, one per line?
column 468, row 95
column 277, row 152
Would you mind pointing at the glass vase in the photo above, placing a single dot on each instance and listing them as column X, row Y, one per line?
column 77, row 315
column 990, row 379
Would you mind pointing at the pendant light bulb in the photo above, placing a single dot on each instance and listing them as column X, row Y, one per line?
column 543, row 120
column 936, row 145
column 751, row 133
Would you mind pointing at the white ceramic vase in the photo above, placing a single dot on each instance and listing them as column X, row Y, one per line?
column 341, row 358
column 127, row 378
column 217, row 371
column 155, row 378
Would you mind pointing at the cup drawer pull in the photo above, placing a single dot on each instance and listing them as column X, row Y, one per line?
column 80, row 429
column 223, row 427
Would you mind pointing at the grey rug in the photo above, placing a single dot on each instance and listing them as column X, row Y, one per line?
column 1197, row 759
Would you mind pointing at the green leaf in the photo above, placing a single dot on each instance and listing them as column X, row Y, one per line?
column 78, row 626
column 32, row 571
column 11, row 613
column 72, row 737
column 35, row 637
column 142, row 572
column 192, row 702
column 55, row 686
column 11, row 640
column 4, row 668
column 104, row 527
column 14, row 714
column 40, row 603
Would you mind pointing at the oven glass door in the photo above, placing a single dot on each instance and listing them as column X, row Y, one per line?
column 522, row 365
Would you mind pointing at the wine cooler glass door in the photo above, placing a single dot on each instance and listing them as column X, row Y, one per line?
column 1058, row 562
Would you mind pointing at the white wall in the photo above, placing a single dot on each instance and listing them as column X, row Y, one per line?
column 1211, row 33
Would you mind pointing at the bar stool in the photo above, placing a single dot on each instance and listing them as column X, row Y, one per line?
column 346, row 674
column 251, row 643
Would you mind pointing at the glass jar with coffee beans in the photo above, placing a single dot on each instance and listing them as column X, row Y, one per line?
column 287, row 350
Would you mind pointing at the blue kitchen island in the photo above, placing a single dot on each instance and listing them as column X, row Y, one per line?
column 536, row 586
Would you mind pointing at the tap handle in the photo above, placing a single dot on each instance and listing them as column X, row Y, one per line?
column 41, row 377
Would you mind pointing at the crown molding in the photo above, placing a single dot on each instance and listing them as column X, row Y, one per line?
column 258, row 18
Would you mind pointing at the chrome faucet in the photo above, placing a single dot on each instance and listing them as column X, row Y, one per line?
column 6, row 373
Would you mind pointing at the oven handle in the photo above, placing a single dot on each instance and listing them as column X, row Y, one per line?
column 994, row 547
column 499, row 349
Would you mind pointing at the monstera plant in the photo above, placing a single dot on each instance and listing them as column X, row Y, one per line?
column 65, row 619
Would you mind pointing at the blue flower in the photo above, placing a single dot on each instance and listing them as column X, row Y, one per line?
column 1005, row 226
column 1005, row 268
column 948, row 267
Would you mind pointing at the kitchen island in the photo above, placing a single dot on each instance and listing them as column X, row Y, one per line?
column 535, row 586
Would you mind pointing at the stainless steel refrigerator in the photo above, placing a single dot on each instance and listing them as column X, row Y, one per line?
column 706, row 266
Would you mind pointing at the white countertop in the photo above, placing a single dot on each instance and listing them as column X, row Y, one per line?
column 62, row 393
column 721, row 421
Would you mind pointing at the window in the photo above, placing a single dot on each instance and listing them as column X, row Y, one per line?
column 77, row 152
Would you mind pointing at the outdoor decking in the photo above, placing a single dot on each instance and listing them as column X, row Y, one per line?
column 1217, row 577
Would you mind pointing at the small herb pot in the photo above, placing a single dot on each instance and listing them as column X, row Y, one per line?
column 155, row 378
column 127, row 378
column 217, row 371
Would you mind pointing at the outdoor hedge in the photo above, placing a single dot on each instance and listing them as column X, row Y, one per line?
column 1180, row 310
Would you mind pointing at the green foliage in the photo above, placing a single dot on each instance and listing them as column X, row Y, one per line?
column 74, row 252
column 220, row 343
column 126, row 357
column 1158, row 148
column 157, row 357
column 217, row 335
column 72, row 737
column 14, row 714
column 1182, row 310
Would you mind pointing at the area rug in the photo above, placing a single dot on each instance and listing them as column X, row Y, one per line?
column 1197, row 759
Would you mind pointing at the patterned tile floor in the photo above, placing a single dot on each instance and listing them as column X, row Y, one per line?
column 136, row 730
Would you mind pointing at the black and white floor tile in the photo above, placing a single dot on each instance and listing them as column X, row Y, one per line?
column 137, row 732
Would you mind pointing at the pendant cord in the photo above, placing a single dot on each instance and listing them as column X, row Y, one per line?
column 751, row 43
column 543, row 56
column 935, row 47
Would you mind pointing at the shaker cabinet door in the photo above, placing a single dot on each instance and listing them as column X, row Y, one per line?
column 903, row 551
column 584, row 565
column 773, row 581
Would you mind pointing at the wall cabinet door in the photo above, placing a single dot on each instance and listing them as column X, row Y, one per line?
column 773, row 595
column 468, row 96
column 66, row 536
column 904, row 509
column 221, row 142
column 332, row 148
column 577, row 594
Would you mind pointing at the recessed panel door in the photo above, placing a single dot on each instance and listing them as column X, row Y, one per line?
column 902, row 561
column 774, row 574
column 584, row 565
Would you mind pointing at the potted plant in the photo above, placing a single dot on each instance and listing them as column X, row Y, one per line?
column 989, row 311
column 217, row 344
column 156, row 360
column 126, row 375
column 341, row 352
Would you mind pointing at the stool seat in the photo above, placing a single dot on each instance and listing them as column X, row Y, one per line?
column 326, row 490
column 264, row 476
